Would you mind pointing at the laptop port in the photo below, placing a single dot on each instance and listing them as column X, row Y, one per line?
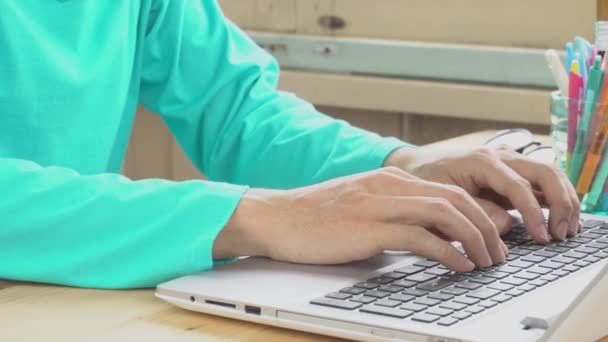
column 253, row 310
column 226, row 305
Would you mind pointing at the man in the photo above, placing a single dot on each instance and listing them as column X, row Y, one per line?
column 317, row 190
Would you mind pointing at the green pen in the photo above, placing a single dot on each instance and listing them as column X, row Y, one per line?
column 596, row 78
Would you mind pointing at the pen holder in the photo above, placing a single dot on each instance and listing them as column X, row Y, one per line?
column 565, row 133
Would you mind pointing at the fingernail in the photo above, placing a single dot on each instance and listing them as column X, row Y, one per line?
column 467, row 265
column 573, row 225
column 544, row 234
column 562, row 229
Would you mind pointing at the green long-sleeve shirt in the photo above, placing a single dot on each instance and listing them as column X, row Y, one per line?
column 71, row 75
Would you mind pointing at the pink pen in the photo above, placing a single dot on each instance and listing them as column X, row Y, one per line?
column 575, row 101
column 593, row 54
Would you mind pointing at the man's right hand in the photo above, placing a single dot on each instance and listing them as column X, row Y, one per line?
column 356, row 217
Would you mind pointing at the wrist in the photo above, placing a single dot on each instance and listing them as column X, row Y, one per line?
column 244, row 234
column 402, row 158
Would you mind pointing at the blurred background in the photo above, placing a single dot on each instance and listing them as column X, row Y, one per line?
column 420, row 70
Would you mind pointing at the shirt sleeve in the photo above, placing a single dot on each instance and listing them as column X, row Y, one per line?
column 106, row 231
column 217, row 92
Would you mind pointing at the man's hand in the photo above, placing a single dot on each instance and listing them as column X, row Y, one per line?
column 355, row 217
column 500, row 180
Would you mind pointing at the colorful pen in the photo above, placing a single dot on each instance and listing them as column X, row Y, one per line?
column 575, row 102
column 598, row 185
column 569, row 55
column 596, row 77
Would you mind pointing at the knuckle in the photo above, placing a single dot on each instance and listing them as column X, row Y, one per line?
column 441, row 206
column 391, row 169
column 457, row 192
column 523, row 184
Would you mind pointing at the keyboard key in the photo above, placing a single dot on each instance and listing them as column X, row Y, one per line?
column 512, row 257
column 600, row 254
column 364, row 299
column 426, row 263
column 353, row 290
column 454, row 291
column 439, row 312
column 420, row 277
column 592, row 223
column 527, row 287
column 401, row 297
column 501, row 298
column 366, row 285
column 441, row 296
column 427, row 301
column 487, row 304
column 539, row 270
column 411, row 269
column 568, row 244
column 483, row 293
column 514, row 281
column 533, row 246
column 592, row 259
column 377, row 293
column 424, row 318
column 533, row 258
column 466, row 300
column 538, row 282
column 550, row 264
column 435, row 284
column 519, row 264
column 388, row 302
column 404, row 283
column 452, row 306
column 508, row 269
column 590, row 235
column 384, row 311
column 482, row 280
column 338, row 295
column 468, row 285
column 580, row 239
column 500, row 286
column 413, row 307
column 447, row 321
column 550, row 277
column 515, row 292
column 438, row 271
column 546, row 254
column 380, row 280
column 557, row 249
column 336, row 303
column 456, row 277
column 586, row 250
column 474, row 309
column 575, row 254
column 560, row 273
column 462, row 315
column 598, row 245
column 414, row 292
column 393, row 275
column 526, row 275
column 391, row 288
column 496, row 274
column 563, row 259
column 519, row 251
column 571, row 268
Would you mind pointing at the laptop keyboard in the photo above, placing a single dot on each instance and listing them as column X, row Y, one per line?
column 428, row 292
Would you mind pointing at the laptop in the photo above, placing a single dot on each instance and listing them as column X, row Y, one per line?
column 557, row 292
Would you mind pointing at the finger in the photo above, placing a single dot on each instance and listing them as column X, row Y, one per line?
column 418, row 240
column 493, row 173
column 559, row 194
column 436, row 213
column 403, row 185
column 501, row 218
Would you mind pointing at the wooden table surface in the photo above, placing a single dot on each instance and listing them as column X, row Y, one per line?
column 32, row 312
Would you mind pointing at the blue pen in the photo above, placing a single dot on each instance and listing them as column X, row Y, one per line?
column 583, row 48
column 569, row 55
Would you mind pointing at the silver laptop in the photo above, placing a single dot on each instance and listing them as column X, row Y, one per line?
column 557, row 292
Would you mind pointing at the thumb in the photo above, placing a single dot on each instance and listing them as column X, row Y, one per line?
column 498, row 215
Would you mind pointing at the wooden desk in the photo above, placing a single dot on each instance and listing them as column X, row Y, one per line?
column 32, row 312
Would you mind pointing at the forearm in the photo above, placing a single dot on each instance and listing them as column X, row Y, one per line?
column 106, row 231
